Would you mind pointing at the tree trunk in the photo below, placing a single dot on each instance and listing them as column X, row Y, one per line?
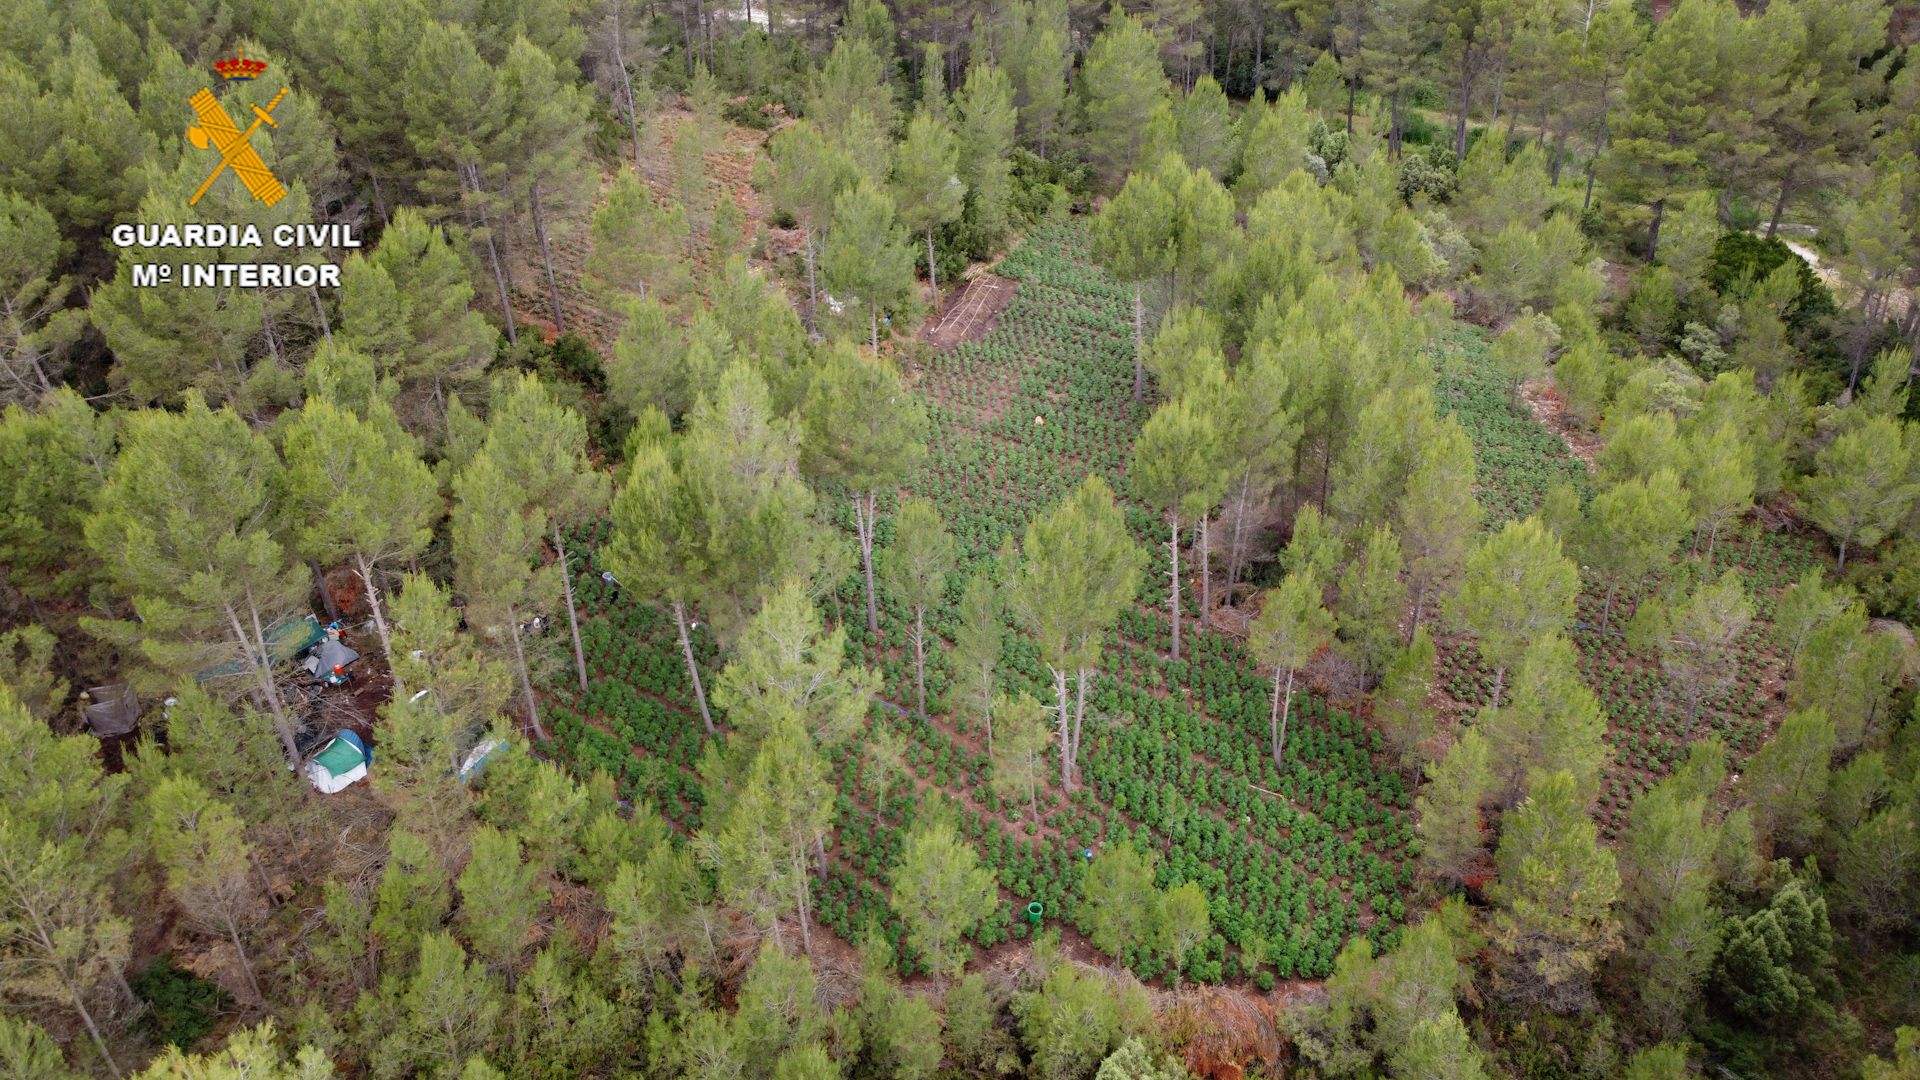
column 1606, row 609
column 1139, row 346
column 626, row 80
column 1206, row 576
column 573, row 617
column 379, row 201
column 1780, row 204
column 263, row 664
column 1282, row 712
column 93, row 1030
column 873, row 327
column 813, row 288
column 1353, row 87
column 864, row 512
column 246, row 962
column 1084, row 676
column 933, row 281
column 986, row 708
column 1843, row 557
column 1653, row 233
column 546, row 260
column 1419, row 606
column 1173, row 577
column 526, row 681
column 806, row 932
column 693, row 669
column 379, row 616
column 319, row 309
column 1499, row 686
column 493, row 259
column 1066, row 729
column 920, row 659
column 1466, row 101
column 326, row 594
column 1236, row 538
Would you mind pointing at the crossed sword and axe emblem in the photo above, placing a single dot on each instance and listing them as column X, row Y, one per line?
column 236, row 152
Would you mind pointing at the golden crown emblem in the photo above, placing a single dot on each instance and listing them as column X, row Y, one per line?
column 239, row 67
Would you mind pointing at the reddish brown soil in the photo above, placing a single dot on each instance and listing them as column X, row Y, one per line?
column 971, row 311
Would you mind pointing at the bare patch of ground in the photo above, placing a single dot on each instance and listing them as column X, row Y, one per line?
column 972, row 311
column 1550, row 411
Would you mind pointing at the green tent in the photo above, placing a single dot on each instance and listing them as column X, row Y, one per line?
column 340, row 763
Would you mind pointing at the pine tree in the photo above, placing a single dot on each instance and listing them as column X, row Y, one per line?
column 1078, row 569
column 808, row 175
column 198, row 841
column 546, row 136
column 941, row 891
column 251, row 1052
column 1133, row 238
column 776, row 1011
column 460, row 135
column 787, row 667
column 410, row 902
column 1449, row 808
column 1120, row 907
column 60, row 844
column 715, row 517
column 542, row 446
column 497, row 899
column 975, row 654
column 1553, row 918
column 984, row 119
column 452, row 1009
column 1074, row 1019
column 1277, row 143
column 927, row 185
column 185, row 531
column 1551, row 721
column 53, row 464
column 214, row 746
column 638, row 247
column 777, row 818
column 1655, row 144
column 38, row 329
column 914, row 569
column 1372, row 600
column 1860, row 487
column 1120, row 82
column 1019, row 756
column 430, row 652
column 1292, row 626
column 1630, row 530
column 1183, row 924
column 1438, row 1048
column 1179, row 467
column 1517, row 587
column 356, row 494
column 1850, row 671
column 406, row 305
column 497, row 534
column 1438, row 515
column 866, row 261
column 1785, row 781
column 1400, row 707
column 862, row 428
column 1694, row 636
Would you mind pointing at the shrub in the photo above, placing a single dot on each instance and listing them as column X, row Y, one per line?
column 181, row 1006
